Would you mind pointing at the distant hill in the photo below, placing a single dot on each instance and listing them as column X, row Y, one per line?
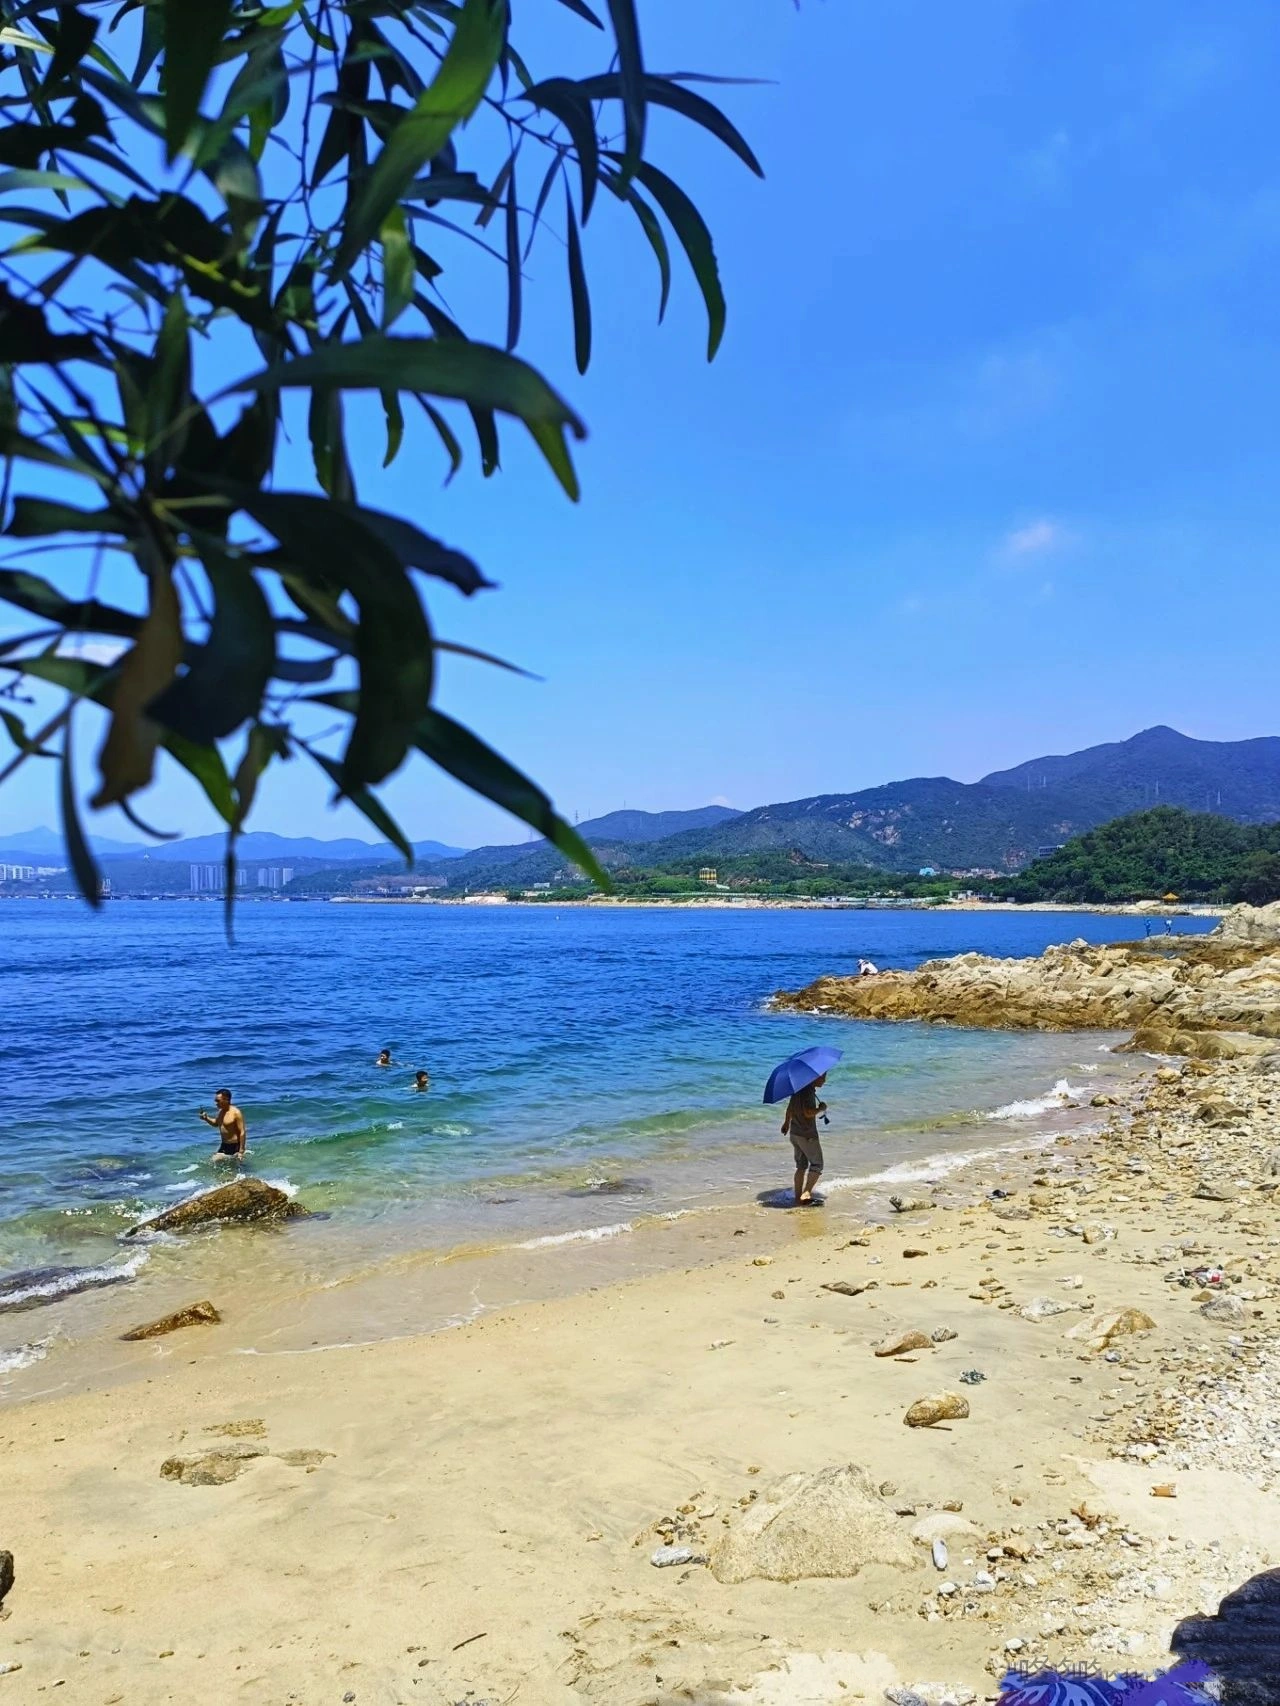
column 1195, row 855
column 263, row 844
column 627, row 826
column 1238, row 779
column 37, row 843
column 928, row 820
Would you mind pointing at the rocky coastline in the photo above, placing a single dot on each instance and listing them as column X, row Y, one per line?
column 1212, row 997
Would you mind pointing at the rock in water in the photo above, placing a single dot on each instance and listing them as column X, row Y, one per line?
column 940, row 1407
column 192, row 1316
column 6, row 1574
column 828, row 1523
column 899, row 1342
column 242, row 1200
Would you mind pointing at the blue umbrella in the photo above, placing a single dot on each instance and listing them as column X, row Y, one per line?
column 802, row 1069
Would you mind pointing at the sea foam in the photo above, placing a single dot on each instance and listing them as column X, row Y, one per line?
column 1063, row 1095
column 51, row 1283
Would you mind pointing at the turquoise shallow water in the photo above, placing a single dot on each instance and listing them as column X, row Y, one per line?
column 580, row 1059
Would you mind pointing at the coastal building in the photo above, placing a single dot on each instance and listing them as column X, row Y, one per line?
column 274, row 876
column 928, row 871
column 708, row 875
column 17, row 873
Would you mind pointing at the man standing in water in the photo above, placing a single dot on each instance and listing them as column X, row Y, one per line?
column 801, row 1126
column 229, row 1124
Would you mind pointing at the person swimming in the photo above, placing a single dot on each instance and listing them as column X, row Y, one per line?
column 422, row 1080
column 384, row 1059
column 228, row 1122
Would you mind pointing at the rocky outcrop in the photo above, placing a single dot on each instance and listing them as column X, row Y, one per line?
column 194, row 1315
column 242, row 1200
column 826, row 1524
column 1213, row 996
column 6, row 1574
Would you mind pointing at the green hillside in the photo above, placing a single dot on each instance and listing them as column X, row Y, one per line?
column 1195, row 855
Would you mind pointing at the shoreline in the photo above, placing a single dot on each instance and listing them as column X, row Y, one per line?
column 486, row 1519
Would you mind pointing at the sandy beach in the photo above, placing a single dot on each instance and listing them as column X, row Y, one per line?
column 472, row 1515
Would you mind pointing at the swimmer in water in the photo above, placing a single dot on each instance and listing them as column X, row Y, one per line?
column 422, row 1080
column 384, row 1059
column 228, row 1122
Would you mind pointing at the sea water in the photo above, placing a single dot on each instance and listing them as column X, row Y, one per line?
column 590, row 1068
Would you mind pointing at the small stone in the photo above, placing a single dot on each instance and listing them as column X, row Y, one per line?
column 1118, row 1324
column 762, row 1261
column 1216, row 1190
column 909, row 1253
column 941, row 1335
column 1164, row 1490
column 897, row 1343
column 939, row 1407
column 664, row 1557
column 849, row 1288
column 6, row 1574
column 939, row 1554
column 1041, row 1308
column 946, row 1589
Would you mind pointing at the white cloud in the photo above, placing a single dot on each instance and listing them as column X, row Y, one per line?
column 719, row 800
column 1033, row 540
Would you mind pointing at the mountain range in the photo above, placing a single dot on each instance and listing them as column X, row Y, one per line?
column 998, row 823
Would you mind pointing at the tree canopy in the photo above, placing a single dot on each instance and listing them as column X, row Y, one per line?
column 1195, row 855
column 280, row 196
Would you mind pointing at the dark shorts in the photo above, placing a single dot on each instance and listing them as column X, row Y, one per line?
column 808, row 1152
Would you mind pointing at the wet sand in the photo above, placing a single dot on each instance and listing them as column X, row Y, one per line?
column 471, row 1514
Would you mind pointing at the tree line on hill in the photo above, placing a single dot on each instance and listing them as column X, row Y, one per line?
column 1194, row 855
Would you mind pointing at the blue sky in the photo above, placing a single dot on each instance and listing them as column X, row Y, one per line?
column 985, row 467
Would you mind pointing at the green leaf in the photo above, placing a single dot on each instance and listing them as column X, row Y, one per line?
column 366, row 802
column 126, row 759
column 449, row 100
column 87, row 875
column 24, row 179
column 578, row 288
column 224, row 685
column 168, row 394
column 664, row 92
column 626, row 30
column 14, row 443
column 581, row 8
column 85, row 616
column 513, row 260
column 691, row 229
column 193, row 32
column 466, row 758
column 651, row 225
column 266, row 741
column 393, row 642
column 560, row 96
column 20, row 738
column 35, row 517
column 453, row 450
column 398, row 272
column 206, row 765
column 473, row 373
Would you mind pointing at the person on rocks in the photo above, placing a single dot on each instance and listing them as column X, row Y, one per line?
column 866, row 969
column 801, row 1126
column 421, row 1080
column 228, row 1122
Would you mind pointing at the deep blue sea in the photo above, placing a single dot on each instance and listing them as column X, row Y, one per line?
column 585, row 1063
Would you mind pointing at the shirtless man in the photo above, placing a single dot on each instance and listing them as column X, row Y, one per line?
column 228, row 1122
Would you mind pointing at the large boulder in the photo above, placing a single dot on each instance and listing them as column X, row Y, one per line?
column 1250, row 926
column 828, row 1523
column 242, row 1200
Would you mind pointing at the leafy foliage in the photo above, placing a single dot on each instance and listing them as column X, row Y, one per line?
column 283, row 191
column 1195, row 855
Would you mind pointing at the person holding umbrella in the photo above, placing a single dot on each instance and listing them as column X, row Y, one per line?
column 800, row 1079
